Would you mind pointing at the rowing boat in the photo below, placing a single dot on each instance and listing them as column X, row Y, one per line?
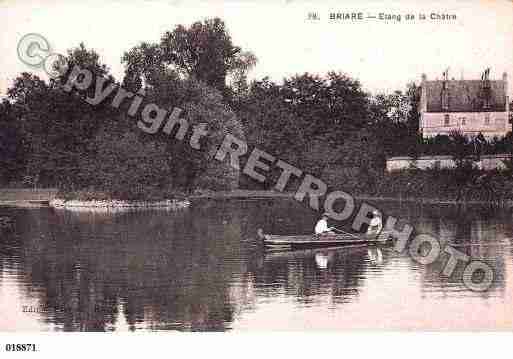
column 279, row 242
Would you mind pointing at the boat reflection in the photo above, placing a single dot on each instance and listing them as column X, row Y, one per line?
column 321, row 260
column 338, row 273
column 375, row 255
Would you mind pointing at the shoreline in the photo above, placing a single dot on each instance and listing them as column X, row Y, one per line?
column 256, row 195
column 423, row 200
column 174, row 204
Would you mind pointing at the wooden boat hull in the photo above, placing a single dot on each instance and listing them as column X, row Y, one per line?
column 277, row 242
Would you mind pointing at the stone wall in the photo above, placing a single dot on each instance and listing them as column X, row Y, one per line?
column 487, row 162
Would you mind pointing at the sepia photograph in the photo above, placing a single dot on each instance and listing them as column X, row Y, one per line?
column 242, row 166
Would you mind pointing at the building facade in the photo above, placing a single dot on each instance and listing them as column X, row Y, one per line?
column 468, row 106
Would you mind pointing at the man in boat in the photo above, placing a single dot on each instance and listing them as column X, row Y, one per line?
column 376, row 224
column 322, row 226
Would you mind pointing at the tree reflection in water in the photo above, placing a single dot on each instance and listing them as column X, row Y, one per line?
column 201, row 268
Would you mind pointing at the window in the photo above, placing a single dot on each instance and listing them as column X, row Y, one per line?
column 445, row 97
column 487, row 119
column 445, row 103
column 447, row 120
column 463, row 121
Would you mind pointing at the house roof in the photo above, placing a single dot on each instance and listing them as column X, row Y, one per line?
column 465, row 96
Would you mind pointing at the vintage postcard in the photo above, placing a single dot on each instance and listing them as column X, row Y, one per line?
column 228, row 166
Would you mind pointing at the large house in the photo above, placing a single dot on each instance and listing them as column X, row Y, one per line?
column 468, row 106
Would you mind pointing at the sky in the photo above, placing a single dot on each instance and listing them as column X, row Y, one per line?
column 383, row 55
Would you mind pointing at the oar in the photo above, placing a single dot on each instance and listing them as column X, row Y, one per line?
column 344, row 232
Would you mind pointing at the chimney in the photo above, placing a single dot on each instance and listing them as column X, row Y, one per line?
column 505, row 80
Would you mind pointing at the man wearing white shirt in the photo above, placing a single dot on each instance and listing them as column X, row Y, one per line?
column 322, row 226
column 376, row 224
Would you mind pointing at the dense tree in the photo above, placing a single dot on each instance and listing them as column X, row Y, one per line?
column 57, row 125
column 12, row 149
column 332, row 106
column 126, row 168
column 326, row 125
column 305, row 107
column 310, row 121
column 270, row 122
column 203, row 106
column 69, row 142
column 395, row 121
column 144, row 65
column 203, row 51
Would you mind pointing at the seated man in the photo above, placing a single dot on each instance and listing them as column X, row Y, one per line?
column 376, row 224
column 322, row 226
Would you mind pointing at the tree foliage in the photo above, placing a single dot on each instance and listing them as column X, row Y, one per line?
column 326, row 125
column 125, row 167
column 57, row 126
column 12, row 147
column 69, row 143
column 203, row 51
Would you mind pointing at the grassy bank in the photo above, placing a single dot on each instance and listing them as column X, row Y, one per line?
column 465, row 184
column 447, row 185
column 428, row 186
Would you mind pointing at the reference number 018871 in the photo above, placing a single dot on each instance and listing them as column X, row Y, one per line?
column 20, row 348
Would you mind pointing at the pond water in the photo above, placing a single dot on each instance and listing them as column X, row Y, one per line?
column 202, row 269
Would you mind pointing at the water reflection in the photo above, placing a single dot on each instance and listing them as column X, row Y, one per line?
column 375, row 255
column 203, row 269
column 321, row 259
